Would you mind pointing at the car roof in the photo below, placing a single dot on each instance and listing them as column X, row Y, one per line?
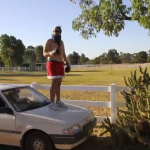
column 10, row 86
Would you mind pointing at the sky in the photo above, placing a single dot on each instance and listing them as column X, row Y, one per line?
column 32, row 21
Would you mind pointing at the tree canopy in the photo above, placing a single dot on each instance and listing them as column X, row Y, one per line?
column 39, row 54
column 12, row 50
column 13, row 53
column 30, row 56
column 109, row 16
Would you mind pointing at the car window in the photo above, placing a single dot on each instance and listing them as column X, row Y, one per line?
column 2, row 103
column 25, row 98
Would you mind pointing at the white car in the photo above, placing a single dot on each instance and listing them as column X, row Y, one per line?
column 27, row 121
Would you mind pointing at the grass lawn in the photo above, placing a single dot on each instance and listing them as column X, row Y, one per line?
column 75, row 77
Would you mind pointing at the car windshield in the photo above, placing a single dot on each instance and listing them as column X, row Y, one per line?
column 25, row 98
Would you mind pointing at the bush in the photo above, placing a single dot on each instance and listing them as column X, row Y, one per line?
column 132, row 126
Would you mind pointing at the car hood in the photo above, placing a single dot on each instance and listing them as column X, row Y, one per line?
column 70, row 116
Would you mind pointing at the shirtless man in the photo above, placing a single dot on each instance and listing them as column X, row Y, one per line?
column 56, row 58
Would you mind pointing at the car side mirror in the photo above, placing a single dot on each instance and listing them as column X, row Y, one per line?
column 6, row 110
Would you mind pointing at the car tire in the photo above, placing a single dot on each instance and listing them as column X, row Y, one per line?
column 38, row 141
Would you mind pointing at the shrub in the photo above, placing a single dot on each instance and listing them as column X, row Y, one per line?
column 133, row 123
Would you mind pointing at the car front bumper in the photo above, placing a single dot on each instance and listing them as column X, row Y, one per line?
column 71, row 141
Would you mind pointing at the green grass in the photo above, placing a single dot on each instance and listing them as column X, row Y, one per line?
column 76, row 77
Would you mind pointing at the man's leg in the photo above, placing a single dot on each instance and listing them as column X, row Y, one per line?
column 58, row 89
column 52, row 72
column 53, row 89
column 62, row 75
column 59, row 102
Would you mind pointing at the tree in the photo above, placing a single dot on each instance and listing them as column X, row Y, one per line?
column 83, row 59
column 70, row 58
column 113, row 56
column 141, row 57
column 1, row 62
column 30, row 47
column 39, row 54
column 148, row 59
column 12, row 50
column 125, row 57
column 29, row 56
column 74, row 58
column 110, row 16
column 103, row 58
column 96, row 60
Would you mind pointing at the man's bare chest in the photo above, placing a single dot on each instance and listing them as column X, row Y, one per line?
column 54, row 45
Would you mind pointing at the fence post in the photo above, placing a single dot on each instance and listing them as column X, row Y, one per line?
column 113, row 108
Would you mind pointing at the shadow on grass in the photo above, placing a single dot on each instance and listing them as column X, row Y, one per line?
column 87, row 71
column 22, row 75
column 7, row 80
column 73, row 74
column 32, row 75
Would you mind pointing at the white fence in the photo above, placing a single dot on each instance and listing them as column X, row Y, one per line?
column 99, row 66
column 112, row 104
column 20, row 69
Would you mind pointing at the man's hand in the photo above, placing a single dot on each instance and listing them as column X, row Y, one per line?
column 66, row 63
column 46, row 49
column 53, row 52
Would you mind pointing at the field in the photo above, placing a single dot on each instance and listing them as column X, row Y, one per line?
column 78, row 77
column 75, row 77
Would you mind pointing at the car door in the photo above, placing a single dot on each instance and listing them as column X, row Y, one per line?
column 7, row 126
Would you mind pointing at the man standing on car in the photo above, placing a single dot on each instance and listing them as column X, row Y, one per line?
column 54, row 50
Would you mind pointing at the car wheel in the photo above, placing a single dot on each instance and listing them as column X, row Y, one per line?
column 38, row 141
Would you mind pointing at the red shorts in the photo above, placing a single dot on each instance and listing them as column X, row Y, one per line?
column 55, row 69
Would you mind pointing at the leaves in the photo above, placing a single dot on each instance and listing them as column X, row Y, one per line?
column 74, row 58
column 12, row 50
column 134, row 120
column 39, row 54
column 109, row 16
column 30, row 56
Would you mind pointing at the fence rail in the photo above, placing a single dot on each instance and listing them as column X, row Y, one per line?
column 42, row 67
column 112, row 89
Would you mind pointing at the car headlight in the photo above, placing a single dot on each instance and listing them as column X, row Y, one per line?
column 72, row 130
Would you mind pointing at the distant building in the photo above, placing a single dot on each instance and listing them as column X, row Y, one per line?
column 34, row 66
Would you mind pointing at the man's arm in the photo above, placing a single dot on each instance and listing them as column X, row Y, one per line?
column 46, row 49
column 63, row 53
